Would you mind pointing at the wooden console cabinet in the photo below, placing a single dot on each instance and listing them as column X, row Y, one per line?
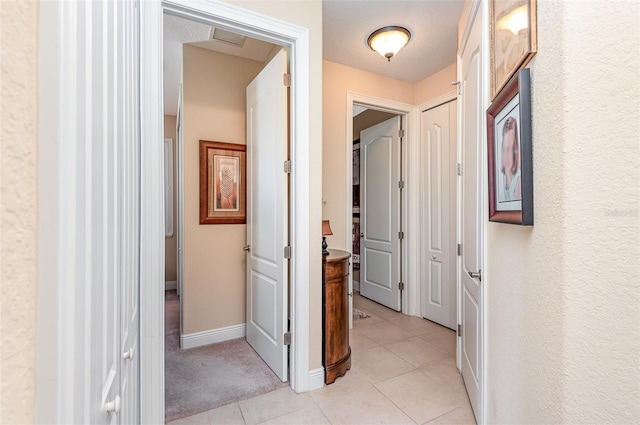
column 336, row 356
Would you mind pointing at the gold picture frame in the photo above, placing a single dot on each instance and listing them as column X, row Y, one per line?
column 513, row 39
column 223, row 193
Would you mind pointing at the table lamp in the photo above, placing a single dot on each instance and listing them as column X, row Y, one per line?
column 326, row 231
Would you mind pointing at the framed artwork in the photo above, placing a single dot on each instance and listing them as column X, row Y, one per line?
column 513, row 39
column 223, row 193
column 510, row 152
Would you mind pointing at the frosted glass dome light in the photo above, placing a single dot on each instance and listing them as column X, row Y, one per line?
column 388, row 41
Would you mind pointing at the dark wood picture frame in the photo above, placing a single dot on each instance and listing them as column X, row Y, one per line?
column 510, row 48
column 511, row 112
column 223, row 183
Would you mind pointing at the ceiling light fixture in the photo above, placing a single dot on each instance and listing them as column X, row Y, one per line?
column 389, row 40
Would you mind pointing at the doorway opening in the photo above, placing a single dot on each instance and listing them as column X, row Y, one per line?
column 219, row 347
column 295, row 40
column 399, row 119
column 377, row 212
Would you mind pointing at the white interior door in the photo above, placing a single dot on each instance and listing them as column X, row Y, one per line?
column 380, row 174
column 472, row 140
column 267, row 215
column 438, row 265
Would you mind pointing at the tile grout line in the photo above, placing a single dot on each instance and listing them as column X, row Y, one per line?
column 445, row 413
column 391, row 401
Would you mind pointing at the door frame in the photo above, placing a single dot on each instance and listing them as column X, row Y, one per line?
column 296, row 39
column 423, row 107
column 410, row 172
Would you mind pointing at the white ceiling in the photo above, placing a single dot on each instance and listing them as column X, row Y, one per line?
column 346, row 26
column 433, row 25
column 178, row 31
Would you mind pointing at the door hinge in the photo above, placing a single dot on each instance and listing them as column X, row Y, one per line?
column 459, row 169
column 286, row 78
column 401, row 184
column 459, row 249
column 401, row 286
column 401, row 133
column 287, row 252
column 459, row 330
column 287, row 338
column 287, row 166
column 400, row 235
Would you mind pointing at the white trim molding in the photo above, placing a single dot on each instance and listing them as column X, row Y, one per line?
column 198, row 339
column 294, row 38
column 170, row 284
column 316, row 379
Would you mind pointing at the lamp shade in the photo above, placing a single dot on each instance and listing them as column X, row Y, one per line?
column 388, row 41
column 326, row 228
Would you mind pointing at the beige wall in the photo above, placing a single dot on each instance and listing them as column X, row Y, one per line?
column 563, row 296
column 435, row 85
column 18, row 209
column 308, row 14
column 214, row 104
column 170, row 244
column 337, row 81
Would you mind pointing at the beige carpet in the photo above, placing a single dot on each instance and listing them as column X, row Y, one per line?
column 204, row 378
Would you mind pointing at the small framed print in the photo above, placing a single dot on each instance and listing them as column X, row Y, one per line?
column 509, row 150
column 222, row 183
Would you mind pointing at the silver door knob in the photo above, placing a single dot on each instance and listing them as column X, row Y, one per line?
column 114, row 405
column 476, row 275
column 247, row 248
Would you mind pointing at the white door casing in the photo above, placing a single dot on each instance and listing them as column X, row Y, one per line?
column 267, row 215
column 471, row 112
column 438, row 267
column 380, row 172
column 89, row 245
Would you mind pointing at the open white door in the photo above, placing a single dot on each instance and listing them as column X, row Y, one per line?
column 267, row 215
column 380, row 174
column 472, row 140
column 438, row 266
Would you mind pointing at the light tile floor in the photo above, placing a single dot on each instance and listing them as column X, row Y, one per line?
column 403, row 372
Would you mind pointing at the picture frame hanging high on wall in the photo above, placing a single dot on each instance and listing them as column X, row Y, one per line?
column 510, row 153
column 513, row 39
column 223, row 171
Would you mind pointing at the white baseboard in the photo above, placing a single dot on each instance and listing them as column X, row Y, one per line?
column 316, row 379
column 170, row 284
column 198, row 339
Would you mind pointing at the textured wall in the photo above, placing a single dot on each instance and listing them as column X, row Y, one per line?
column 601, row 157
column 170, row 244
column 563, row 296
column 18, row 208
